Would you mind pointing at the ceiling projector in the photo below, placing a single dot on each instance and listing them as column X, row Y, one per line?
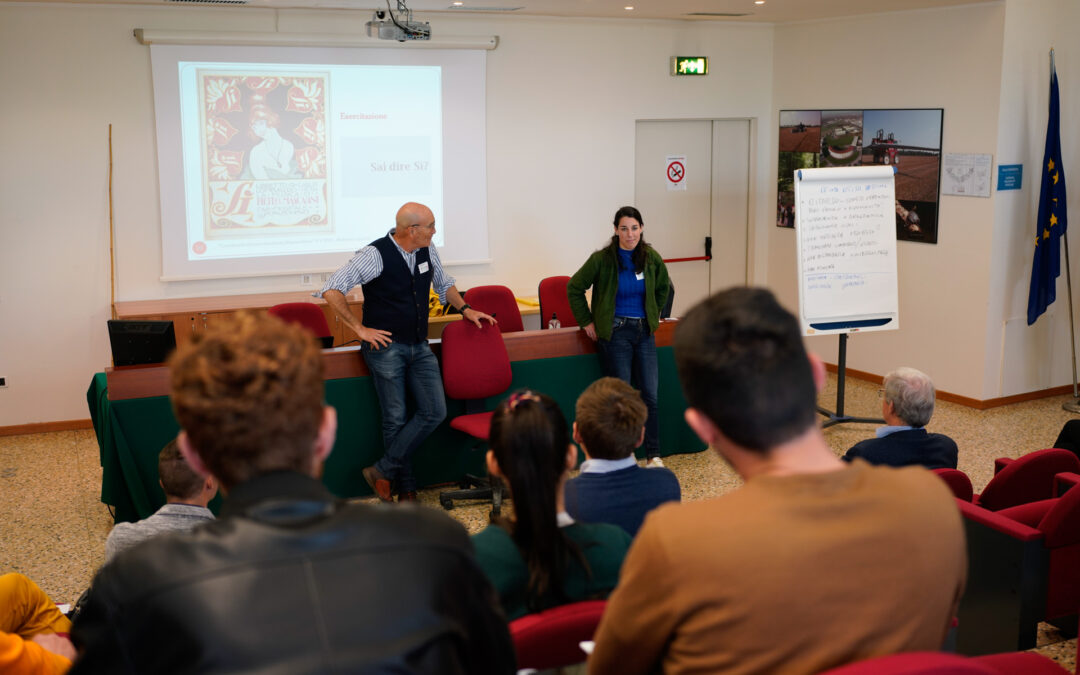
column 385, row 26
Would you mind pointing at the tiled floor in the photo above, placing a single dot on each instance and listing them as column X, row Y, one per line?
column 53, row 525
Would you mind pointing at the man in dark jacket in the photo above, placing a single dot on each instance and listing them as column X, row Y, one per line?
column 289, row 579
column 907, row 404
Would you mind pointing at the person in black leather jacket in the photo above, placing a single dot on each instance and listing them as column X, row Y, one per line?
column 290, row 579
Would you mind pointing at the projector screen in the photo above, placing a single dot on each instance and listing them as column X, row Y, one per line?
column 282, row 160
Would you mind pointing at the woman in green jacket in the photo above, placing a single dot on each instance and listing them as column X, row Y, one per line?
column 630, row 286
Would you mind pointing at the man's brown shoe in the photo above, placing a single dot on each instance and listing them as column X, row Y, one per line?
column 378, row 483
column 409, row 496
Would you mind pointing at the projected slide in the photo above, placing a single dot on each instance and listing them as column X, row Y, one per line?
column 288, row 159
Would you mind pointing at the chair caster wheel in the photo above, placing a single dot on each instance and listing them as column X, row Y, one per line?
column 446, row 503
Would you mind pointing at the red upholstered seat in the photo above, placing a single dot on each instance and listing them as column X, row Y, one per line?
column 1026, row 479
column 554, row 301
column 477, row 425
column 498, row 301
column 938, row 663
column 550, row 639
column 958, row 482
column 1024, row 567
column 475, row 366
column 308, row 315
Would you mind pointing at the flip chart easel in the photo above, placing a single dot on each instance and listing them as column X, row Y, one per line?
column 845, row 221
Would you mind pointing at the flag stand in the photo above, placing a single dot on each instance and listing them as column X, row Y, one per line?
column 1073, row 405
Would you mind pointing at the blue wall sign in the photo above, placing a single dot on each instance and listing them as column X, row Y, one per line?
column 1010, row 176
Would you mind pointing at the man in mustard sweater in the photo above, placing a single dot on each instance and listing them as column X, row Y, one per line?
column 843, row 562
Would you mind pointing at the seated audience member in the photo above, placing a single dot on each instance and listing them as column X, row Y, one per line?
column 289, row 579
column 186, row 496
column 1069, row 437
column 907, row 404
column 29, row 623
column 843, row 561
column 541, row 558
column 612, row 488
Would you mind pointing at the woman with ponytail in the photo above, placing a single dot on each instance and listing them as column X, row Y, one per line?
column 630, row 286
column 540, row 557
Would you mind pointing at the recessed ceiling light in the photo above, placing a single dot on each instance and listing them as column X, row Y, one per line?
column 458, row 3
column 628, row 7
column 759, row 2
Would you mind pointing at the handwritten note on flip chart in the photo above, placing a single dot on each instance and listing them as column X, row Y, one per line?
column 845, row 219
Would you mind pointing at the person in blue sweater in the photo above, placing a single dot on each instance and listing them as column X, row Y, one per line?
column 612, row 488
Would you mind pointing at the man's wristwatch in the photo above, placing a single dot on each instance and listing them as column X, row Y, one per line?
column 465, row 307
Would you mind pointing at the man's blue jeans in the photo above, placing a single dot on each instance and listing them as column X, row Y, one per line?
column 400, row 371
column 630, row 355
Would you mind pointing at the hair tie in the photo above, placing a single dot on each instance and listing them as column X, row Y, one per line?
column 519, row 396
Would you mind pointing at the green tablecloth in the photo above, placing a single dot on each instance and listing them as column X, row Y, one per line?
column 131, row 432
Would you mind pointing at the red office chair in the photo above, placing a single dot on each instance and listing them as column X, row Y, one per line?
column 475, row 366
column 1023, row 566
column 958, row 482
column 550, row 639
column 308, row 315
column 554, row 302
column 939, row 663
column 498, row 301
column 1025, row 479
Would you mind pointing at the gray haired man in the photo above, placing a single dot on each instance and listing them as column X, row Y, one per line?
column 907, row 405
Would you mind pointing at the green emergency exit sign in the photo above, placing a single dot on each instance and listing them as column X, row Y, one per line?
column 689, row 65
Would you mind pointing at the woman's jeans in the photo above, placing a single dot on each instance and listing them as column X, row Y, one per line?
column 630, row 355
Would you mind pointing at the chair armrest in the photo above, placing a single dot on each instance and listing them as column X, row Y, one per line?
column 1065, row 480
column 993, row 520
column 1002, row 462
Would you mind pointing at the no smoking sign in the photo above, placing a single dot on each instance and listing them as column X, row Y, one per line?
column 675, row 172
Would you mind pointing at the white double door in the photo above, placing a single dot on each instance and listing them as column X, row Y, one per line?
column 692, row 183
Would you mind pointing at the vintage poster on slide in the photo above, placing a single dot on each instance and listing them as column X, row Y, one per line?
column 265, row 164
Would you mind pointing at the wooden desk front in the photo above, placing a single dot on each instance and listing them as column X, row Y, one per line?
column 133, row 417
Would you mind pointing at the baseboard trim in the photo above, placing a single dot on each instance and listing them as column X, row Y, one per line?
column 978, row 404
column 45, row 427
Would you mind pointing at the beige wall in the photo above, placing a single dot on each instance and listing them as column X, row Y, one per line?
column 1019, row 357
column 947, row 59
column 562, row 100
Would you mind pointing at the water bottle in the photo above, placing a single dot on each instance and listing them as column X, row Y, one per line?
column 554, row 323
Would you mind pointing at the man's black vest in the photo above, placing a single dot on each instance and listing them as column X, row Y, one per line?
column 397, row 300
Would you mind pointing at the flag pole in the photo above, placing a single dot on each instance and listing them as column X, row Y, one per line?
column 1073, row 405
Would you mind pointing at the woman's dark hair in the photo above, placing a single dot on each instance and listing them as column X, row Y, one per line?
column 529, row 437
column 638, row 256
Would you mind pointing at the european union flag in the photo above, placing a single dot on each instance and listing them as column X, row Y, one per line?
column 1050, row 226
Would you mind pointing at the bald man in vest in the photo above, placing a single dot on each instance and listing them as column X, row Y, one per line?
column 396, row 273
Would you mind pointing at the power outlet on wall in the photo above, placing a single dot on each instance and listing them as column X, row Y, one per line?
column 305, row 279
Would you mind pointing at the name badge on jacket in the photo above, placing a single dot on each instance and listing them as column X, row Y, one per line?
column 422, row 267
column 640, row 276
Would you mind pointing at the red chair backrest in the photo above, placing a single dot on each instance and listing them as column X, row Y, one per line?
column 958, row 482
column 306, row 314
column 1061, row 524
column 474, row 361
column 939, row 663
column 553, row 300
column 549, row 639
column 1027, row 479
column 499, row 301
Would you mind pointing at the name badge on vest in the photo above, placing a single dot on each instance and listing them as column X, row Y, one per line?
column 640, row 276
column 422, row 267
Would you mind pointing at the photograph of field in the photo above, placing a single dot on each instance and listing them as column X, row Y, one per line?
column 910, row 140
column 841, row 137
column 800, row 130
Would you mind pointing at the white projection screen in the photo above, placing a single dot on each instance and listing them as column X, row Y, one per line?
column 283, row 160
